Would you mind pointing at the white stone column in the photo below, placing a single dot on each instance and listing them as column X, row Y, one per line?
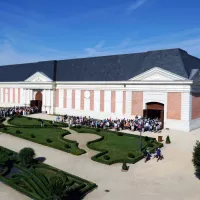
column 1, row 95
column 31, row 95
column 128, row 103
column 27, row 96
column 44, row 100
column 51, row 101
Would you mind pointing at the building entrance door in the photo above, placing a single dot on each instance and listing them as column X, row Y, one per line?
column 154, row 110
column 37, row 102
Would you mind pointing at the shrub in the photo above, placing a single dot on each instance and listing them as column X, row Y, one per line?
column 120, row 134
column 49, row 140
column 39, row 120
column 67, row 146
column 32, row 136
column 125, row 167
column 106, row 157
column 18, row 131
column 29, row 118
column 98, row 130
column 168, row 141
column 78, row 126
column 5, row 128
column 26, row 156
column 196, row 157
column 146, row 138
column 2, row 125
column 131, row 155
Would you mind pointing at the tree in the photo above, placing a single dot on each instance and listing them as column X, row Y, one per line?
column 26, row 156
column 59, row 189
column 196, row 157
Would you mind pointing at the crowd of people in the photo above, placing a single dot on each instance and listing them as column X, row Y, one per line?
column 137, row 124
column 15, row 111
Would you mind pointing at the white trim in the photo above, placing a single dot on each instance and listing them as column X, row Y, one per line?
column 38, row 77
column 160, row 72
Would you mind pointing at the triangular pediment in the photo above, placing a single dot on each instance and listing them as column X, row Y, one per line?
column 157, row 74
column 39, row 77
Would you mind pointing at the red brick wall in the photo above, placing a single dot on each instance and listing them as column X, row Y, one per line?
column 65, row 99
column 102, row 100
column 73, row 99
column 137, row 103
column 92, row 100
column 174, row 105
column 195, row 106
column 82, row 99
column 113, row 101
column 124, row 103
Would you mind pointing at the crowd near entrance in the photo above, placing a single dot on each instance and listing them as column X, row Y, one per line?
column 154, row 110
column 37, row 102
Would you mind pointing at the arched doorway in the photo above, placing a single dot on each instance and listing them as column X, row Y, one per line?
column 154, row 110
column 38, row 96
column 38, row 101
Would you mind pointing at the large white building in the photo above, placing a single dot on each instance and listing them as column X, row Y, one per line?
column 164, row 84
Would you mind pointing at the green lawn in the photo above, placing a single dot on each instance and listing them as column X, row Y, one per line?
column 117, row 147
column 35, row 180
column 52, row 137
column 28, row 121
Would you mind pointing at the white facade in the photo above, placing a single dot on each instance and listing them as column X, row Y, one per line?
column 155, row 85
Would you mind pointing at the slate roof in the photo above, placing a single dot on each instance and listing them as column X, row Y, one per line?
column 20, row 72
column 105, row 68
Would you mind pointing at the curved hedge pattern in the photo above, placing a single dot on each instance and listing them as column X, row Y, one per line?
column 34, row 181
column 99, row 157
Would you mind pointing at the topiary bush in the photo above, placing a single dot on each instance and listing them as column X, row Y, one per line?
column 120, row 134
column 125, row 167
column 168, row 141
column 49, row 140
column 26, row 156
column 196, row 158
column 106, row 157
column 18, row 132
column 67, row 146
column 33, row 136
column 98, row 130
column 131, row 155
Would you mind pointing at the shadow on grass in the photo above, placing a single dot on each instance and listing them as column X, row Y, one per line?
column 40, row 159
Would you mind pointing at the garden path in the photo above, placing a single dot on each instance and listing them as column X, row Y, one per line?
column 170, row 179
column 6, row 122
column 82, row 139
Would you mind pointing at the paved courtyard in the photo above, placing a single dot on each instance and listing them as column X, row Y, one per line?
column 170, row 179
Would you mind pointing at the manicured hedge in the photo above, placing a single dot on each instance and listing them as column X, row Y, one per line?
column 100, row 156
column 37, row 181
column 61, row 138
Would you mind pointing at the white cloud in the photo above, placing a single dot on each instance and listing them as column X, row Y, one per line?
column 188, row 40
column 136, row 5
column 93, row 50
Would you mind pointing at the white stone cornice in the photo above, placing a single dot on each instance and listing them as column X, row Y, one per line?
column 157, row 74
column 38, row 77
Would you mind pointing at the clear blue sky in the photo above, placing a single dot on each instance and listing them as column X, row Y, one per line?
column 48, row 29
